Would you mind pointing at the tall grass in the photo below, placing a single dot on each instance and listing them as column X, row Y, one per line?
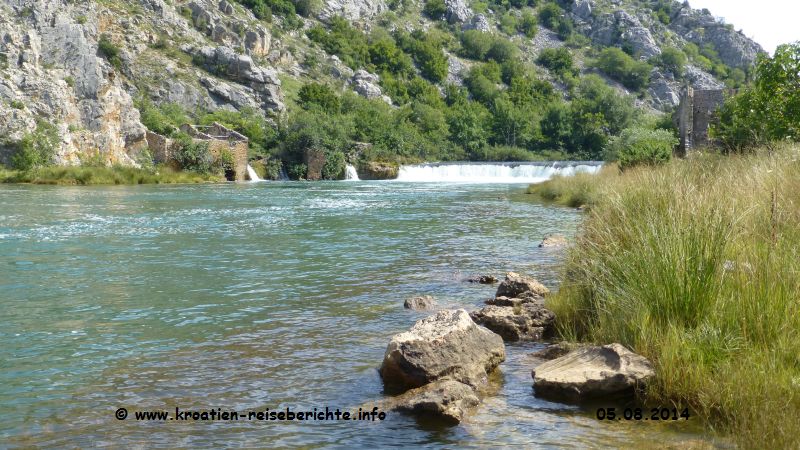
column 696, row 264
column 576, row 190
column 88, row 175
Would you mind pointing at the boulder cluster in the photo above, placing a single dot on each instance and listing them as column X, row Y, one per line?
column 439, row 367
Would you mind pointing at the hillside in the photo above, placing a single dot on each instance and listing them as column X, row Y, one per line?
column 352, row 79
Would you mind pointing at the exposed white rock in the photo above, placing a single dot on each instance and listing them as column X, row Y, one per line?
column 592, row 372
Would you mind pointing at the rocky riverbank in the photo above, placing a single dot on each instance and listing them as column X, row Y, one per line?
column 442, row 366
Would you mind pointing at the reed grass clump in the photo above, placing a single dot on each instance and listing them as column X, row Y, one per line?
column 696, row 265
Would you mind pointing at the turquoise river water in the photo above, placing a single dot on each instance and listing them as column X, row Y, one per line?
column 263, row 295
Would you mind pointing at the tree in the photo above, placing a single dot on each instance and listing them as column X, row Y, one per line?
column 769, row 110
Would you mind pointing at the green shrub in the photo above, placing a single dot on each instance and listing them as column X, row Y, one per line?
column 633, row 74
column 508, row 23
column 343, row 40
column 164, row 119
column 109, row 51
column 641, row 146
column 502, row 50
column 557, row 60
column 435, row 9
column 673, row 60
column 427, row 53
column 334, row 167
column 475, row 44
column 528, row 24
column 550, row 15
column 319, row 95
column 17, row 104
column 193, row 156
column 37, row 148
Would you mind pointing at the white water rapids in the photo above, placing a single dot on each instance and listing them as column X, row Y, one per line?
column 500, row 172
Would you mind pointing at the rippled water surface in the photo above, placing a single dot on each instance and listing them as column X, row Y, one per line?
column 268, row 295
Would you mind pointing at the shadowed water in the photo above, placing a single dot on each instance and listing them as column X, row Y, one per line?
column 254, row 296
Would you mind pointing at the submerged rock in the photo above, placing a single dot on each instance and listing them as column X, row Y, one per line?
column 592, row 372
column 527, row 321
column 447, row 400
column 420, row 303
column 446, row 345
column 516, row 285
column 554, row 240
column 482, row 279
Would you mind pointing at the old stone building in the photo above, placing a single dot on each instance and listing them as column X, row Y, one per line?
column 219, row 139
column 696, row 113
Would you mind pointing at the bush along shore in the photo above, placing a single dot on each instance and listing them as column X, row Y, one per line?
column 693, row 264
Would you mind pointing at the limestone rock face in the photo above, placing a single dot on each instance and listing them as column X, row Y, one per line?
column 457, row 11
column 515, row 285
column 447, row 345
column 528, row 321
column 445, row 399
column 592, row 372
column 665, row 94
column 420, row 303
column 367, row 85
column 263, row 82
column 701, row 27
column 352, row 9
column 53, row 72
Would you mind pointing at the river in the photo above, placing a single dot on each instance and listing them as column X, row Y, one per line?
column 261, row 295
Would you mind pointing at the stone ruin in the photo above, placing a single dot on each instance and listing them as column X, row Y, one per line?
column 696, row 113
column 219, row 139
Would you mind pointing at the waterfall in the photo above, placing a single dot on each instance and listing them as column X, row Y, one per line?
column 494, row 172
column 283, row 175
column 251, row 173
column 350, row 173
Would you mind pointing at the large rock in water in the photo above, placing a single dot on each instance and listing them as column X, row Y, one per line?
column 420, row 303
column 592, row 372
column 446, row 345
column 445, row 399
column 528, row 321
column 516, row 285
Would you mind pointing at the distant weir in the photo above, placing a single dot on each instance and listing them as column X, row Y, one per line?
column 494, row 172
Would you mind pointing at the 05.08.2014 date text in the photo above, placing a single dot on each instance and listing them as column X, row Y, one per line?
column 640, row 414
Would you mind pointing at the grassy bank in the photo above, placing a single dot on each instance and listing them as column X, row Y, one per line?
column 104, row 175
column 576, row 190
column 695, row 265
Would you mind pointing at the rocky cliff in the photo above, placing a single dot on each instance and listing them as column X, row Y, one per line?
column 82, row 66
